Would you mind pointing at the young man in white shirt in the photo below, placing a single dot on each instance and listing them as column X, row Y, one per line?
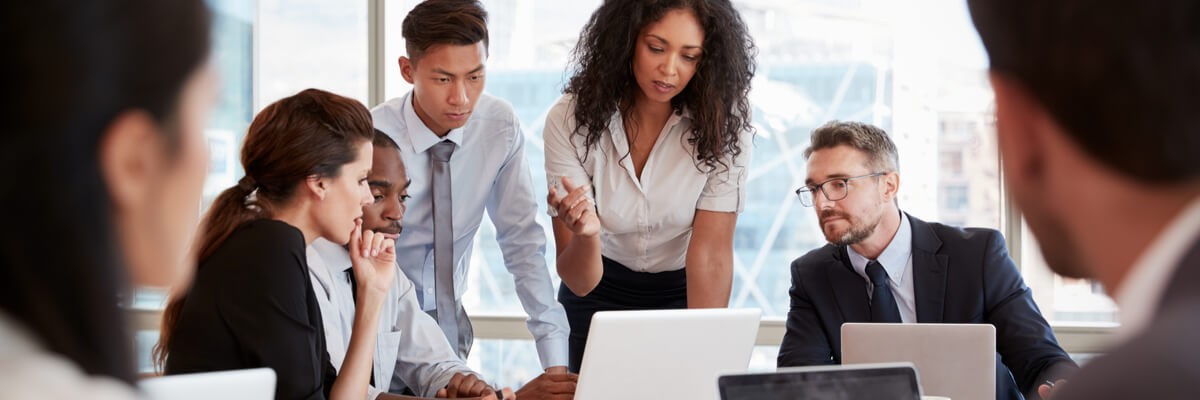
column 411, row 351
column 465, row 152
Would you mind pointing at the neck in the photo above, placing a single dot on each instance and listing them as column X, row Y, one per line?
column 873, row 245
column 425, row 119
column 644, row 109
column 1138, row 214
column 297, row 215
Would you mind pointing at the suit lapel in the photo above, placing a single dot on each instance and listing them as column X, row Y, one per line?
column 849, row 288
column 929, row 272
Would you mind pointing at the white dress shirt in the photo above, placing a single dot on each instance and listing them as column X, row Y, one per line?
column 489, row 172
column 1138, row 298
column 410, row 347
column 645, row 224
column 896, row 259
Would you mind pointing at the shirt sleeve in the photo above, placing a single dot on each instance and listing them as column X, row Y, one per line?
column 562, row 154
column 424, row 359
column 265, row 307
column 513, row 210
column 725, row 190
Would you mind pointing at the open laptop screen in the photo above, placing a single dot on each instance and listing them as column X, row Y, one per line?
column 878, row 382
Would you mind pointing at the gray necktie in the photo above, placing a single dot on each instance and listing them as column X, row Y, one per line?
column 443, row 242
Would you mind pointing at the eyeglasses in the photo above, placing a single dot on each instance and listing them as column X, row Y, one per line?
column 834, row 189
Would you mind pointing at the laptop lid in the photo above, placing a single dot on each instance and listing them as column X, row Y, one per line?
column 887, row 381
column 245, row 384
column 664, row 354
column 955, row 360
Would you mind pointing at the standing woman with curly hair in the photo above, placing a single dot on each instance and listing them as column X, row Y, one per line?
column 646, row 156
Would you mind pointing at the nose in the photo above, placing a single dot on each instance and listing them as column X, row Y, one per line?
column 669, row 66
column 820, row 202
column 458, row 95
column 365, row 197
column 394, row 210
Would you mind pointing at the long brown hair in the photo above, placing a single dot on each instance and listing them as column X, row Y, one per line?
column 313, row 132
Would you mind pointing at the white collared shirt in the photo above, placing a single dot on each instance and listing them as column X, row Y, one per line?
column 409, row 347
column 896, row 259
column 489, row 172
column 1138, row 298
column 645, row 224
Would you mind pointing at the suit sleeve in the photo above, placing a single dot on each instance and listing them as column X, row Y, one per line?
column 805, row 342
column 1023, row 337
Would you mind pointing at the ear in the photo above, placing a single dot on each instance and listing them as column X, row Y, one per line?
column 1019, row 117
column 891, row 185
column 406, row 69
column 317, row 186
column 131, row 153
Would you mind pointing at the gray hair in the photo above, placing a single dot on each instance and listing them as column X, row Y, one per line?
column 881, row 151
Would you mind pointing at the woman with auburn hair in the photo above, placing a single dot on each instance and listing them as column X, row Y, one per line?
column 252, row 304
column 646, row 156
column 104, row 160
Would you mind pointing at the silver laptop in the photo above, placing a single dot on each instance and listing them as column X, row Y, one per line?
column 955, row 360
column 886, row 381
column 664, row 354
column 245, row 384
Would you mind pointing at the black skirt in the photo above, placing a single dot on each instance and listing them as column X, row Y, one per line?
column 619, row 289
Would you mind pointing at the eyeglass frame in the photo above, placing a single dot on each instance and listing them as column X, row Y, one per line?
column 820, row 188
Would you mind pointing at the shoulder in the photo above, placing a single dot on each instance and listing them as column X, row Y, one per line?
column 259, row 246
column 494, row 110
column 954, row 237
column 389, row 117
column 816, row 260
column 1153, row 364
column 28, row 371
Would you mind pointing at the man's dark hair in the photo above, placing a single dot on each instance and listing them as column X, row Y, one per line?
column 382, row 140
column 1121, row 77
column 437, row 22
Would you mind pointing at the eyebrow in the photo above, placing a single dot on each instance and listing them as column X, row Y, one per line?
column 665, row 41
column 406, row 185
column 380, row 183
column 448, row 73
column 810, row 182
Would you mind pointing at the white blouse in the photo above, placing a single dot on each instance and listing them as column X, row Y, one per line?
column 29, row 372
column 645, row 224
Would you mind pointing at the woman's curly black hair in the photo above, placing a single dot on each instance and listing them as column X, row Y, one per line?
column 603, row 81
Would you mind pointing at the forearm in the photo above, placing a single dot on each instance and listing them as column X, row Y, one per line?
column 579, row 262
column 709, row 278
column 355, row 374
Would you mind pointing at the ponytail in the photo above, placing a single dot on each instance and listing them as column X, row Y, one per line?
column 228, row 212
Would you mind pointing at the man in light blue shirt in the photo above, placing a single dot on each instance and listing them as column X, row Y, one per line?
column 465, row 153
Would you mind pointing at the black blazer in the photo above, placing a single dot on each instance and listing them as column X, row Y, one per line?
column 1161, row 361
column 961, row 276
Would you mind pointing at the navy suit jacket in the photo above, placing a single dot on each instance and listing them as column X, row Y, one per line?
column 961, row 276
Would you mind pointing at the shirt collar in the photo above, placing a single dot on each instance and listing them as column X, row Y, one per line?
column 894, row 257
column 335, row 258
column 1140, row 294
column 422, row 137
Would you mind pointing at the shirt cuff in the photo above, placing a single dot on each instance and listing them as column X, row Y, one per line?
column 373, row 393
column 552, row 352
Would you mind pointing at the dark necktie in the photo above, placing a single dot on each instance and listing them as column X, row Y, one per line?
column 445, row 301
column 354, row 295
column 883, row 304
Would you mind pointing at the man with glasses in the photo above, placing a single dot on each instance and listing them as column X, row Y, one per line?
column 883, row 265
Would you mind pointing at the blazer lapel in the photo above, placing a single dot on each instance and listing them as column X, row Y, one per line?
column 929, row 272
column 849, row 288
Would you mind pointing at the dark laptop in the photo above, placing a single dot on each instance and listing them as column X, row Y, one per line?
column 890, row 381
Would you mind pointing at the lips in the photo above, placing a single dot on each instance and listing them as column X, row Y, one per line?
column 457, row 116
column 663, row 87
